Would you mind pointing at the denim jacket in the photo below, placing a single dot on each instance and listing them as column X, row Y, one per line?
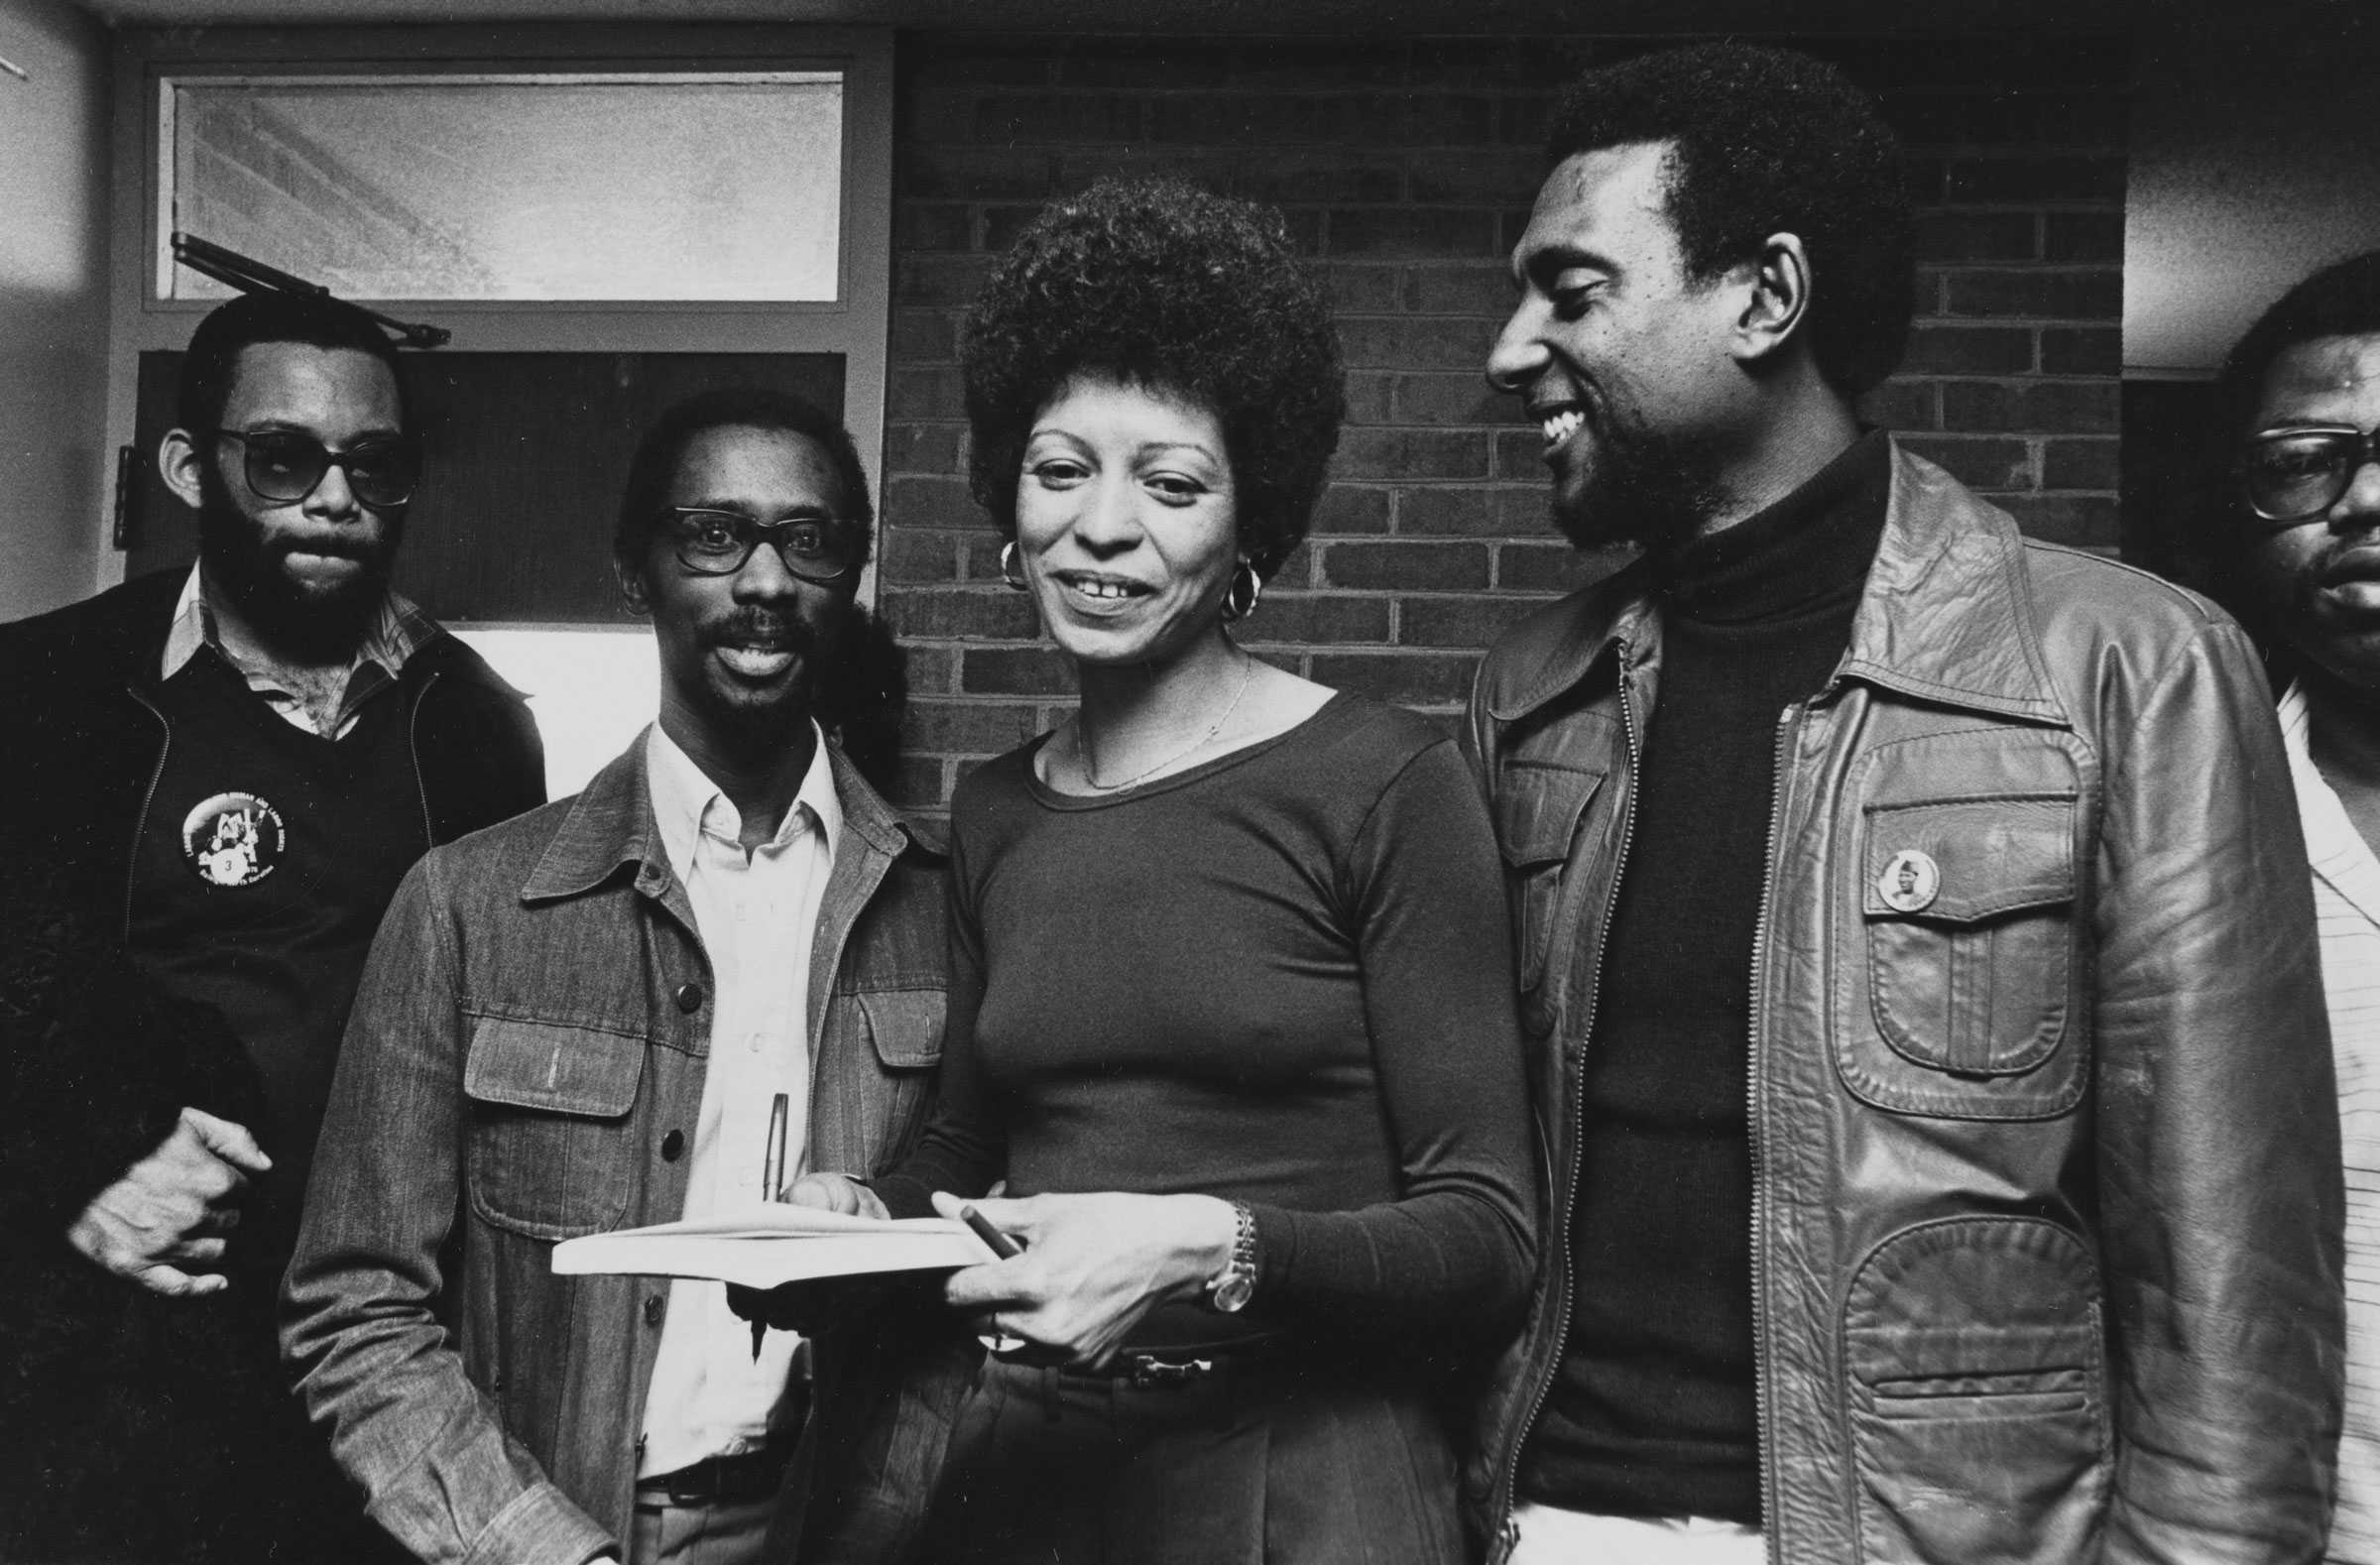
column 524, row 1064
column 2046, row 1222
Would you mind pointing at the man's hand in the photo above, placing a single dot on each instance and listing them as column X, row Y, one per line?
column 822, row 1304
column 171, row 1207
column 835, row 1192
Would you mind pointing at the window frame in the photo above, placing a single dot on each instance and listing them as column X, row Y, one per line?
column 855, row 325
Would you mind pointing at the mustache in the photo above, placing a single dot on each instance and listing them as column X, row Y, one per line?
column 747, row 624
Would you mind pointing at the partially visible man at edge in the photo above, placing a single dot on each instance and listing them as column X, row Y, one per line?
column 216, row 778
column 1933, row 1059
column 579, row 1021
column 2300, row 394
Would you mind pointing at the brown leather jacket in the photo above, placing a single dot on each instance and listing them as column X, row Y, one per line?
column 2045, row 1222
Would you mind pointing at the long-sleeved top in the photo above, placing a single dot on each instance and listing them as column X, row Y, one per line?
column 1282, row 977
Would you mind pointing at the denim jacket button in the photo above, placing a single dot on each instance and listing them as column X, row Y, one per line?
column 671, row 1145
column 690, row 998
column 653, row 1309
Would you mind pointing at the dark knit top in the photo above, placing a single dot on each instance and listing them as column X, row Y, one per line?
column 1652, row 1410
column 1284, row 978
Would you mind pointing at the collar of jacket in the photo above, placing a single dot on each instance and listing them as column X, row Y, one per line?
column 1947, row 614
column 610, row 824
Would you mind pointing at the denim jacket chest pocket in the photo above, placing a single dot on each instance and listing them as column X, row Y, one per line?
column 551, row 1147
column 886, row 1045
column 1962, row 988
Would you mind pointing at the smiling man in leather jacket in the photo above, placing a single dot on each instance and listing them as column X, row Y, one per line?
column 1915, row 942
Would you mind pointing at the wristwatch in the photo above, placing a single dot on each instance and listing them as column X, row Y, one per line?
column 1229, row 1289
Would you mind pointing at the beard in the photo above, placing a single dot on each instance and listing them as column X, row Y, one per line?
column 304, row 621
column 1644, row 486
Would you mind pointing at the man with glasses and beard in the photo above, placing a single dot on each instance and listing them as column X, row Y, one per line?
column 1932, row 1056
column 216, row 780
column 718, row 966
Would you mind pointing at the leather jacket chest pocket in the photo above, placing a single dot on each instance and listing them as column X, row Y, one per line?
column 1961, row 982
column 1538, row 812
column 1968, row 907
column 550, row 1146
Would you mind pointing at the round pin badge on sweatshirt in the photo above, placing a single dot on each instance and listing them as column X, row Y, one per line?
column 233, row 839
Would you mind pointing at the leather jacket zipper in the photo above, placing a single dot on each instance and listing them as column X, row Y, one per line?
column 1788, row 722
column 412, row 745
column 1509, row 1532
column 140, row 820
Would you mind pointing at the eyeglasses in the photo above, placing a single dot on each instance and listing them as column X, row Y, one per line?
column 2292, row 476
column 714, row 543
column 286, row 465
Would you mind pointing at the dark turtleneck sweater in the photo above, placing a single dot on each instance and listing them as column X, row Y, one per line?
column 1652, row 1411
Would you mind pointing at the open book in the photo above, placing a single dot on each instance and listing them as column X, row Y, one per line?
column 763, row 1246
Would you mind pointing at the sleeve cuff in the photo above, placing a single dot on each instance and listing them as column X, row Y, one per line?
column 542, row 1528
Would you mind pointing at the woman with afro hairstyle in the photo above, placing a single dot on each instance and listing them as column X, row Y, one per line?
column 1231, row 1006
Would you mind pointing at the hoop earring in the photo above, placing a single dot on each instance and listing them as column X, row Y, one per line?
column 1008, row 570
column 1245, row 591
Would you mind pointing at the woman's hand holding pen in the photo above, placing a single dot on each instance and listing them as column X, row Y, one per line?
column 1093, row 1266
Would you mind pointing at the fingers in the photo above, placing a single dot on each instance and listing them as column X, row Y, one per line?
column 175, row 1283
column 226, row 1140
column 184, row 1168
column 1019, row 1216
column 831, row 1192
column 103, row 1238
column 834, row 1192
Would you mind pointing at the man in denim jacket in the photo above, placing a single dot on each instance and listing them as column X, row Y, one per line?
column 579, row 1021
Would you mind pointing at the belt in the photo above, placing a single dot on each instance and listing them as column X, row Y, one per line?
column 1171, row 1365
column 748, row 1475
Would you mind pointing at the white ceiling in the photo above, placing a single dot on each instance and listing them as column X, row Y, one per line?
column 1191, row 17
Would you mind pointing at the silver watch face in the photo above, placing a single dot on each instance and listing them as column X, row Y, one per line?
column 1232, row 1293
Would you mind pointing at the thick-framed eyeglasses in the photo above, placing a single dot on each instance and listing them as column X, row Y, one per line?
column 286, row 465
column 2290, row 477
column 715, row 542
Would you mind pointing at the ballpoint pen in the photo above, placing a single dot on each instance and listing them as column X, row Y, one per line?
column 773, row 1175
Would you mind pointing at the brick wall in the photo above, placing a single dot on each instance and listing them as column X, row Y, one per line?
column 1407, row 168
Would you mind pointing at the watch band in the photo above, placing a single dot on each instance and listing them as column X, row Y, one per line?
column 1230, row 1288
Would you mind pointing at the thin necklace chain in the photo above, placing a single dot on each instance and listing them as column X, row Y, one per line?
column 1246, row 677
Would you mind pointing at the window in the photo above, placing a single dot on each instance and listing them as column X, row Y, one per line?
column 719, row 185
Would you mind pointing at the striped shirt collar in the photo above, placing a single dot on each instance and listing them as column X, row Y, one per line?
column 397, row 631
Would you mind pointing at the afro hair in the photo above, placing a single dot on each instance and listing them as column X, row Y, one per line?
column 1156, row 282
column 1767, row 140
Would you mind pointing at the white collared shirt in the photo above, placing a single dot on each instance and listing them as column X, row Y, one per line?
column 757, row 915
column 2346, row 905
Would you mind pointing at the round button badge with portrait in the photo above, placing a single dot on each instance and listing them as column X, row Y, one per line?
column 233, row 840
